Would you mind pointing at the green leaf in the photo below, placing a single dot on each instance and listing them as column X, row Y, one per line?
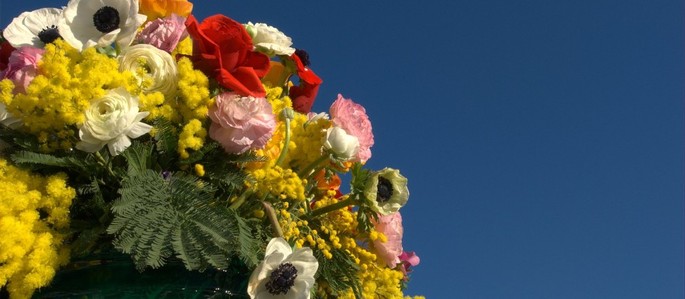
column 138, row 156
column 26, row 157
column 158, row 218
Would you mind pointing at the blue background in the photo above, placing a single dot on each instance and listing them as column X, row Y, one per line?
column 543, row 140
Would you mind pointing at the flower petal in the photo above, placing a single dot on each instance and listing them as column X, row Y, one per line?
column 118, row 145
column 138, row 129
column 305, row 262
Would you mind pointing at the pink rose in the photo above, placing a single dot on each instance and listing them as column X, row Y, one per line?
column 391, row 226
column 241, row 123
column 353, row 119
column 165, row 33
column 22, row 67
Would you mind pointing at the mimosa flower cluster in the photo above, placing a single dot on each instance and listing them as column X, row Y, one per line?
column 133, row 126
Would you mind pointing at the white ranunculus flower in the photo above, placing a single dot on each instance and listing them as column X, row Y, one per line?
column 112, row 120
column 386, row 190
column 283, row 274
column 91, row 23
column 33, row 28
column 269, row 40
column 8, row 119
column 343, row 146
column 160, row 67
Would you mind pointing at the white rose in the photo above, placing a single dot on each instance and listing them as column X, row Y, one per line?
column 343, row 146
column 269, row 40
column 112, row 120
column 159, row 66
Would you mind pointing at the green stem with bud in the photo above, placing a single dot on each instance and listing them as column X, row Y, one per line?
column 334, row 207
column 271, row 214
column 308, row 170
column 287, row 114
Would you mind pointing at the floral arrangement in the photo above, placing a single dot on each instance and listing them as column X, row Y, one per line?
column 132, row 126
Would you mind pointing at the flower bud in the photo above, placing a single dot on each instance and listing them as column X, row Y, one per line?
column 342, row 145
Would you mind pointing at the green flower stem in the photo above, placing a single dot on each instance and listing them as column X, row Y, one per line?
column 236, row 204
column 308, row 170
column 284, row 151
column 271, row 214
column 104, row 163
column 334, row 207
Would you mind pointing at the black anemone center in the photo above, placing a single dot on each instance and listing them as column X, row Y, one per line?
column 281, row 279
column 106, row 19
column 304, row 57
column 384, row 190
column 49, row 34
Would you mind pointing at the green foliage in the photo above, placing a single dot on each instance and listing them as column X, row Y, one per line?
column 43, row 160
column 340, row 272
column 166, row 143
column 156, row 218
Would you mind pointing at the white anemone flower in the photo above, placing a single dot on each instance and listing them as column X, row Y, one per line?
column 34, row 28
column 112, row 120
column 386, row 190
column 283, row 274
column 99, row 23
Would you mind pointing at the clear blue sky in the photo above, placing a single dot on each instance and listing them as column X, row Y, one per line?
column 543, row 140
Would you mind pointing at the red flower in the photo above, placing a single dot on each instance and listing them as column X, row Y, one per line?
column 5, row 51
column 303, row 96
column 222, row 49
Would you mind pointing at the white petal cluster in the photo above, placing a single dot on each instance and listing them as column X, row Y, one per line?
column 160, row 68
column 26, row 29
column 269, row 40
column 265, row 281
column 343, row 146
column 112, row 120
column 99, row 23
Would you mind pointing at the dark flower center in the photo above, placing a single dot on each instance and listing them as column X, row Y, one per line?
column 49, row 34
column 281, row 279
column 384, row 190
column 106, row 19
column 304, row 57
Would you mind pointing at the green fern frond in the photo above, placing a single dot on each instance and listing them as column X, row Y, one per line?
column 157, row 218
column 138, row 156
column 70, row 162
column 340, row 271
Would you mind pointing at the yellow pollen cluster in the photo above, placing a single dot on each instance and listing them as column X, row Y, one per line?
column 192, row 137
column 283, row 184
column 54, row 103
column 31, row 246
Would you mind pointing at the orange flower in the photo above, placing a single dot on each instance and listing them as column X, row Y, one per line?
column 330, row 183
column 155, row 9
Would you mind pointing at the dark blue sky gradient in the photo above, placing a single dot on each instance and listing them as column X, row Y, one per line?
column 543, row 140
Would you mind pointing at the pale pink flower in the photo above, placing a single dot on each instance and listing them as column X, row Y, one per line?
column 391, row 226
column 22, row 67
column 353, row 119
column 164, row 33
column 241, row 123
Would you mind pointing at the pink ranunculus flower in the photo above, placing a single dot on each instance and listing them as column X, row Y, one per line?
column 164, row 33
column 241, row 123
column 353, row 119
column 390, row 250
column 22, row 67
